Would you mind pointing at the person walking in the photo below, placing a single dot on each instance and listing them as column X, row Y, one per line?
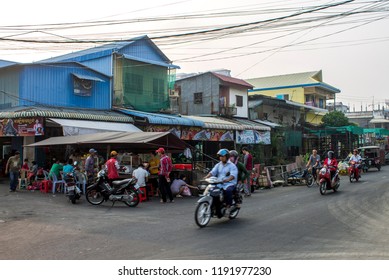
column 13, row 168
column 248, row 164
column 165, row 167
column 90, row 164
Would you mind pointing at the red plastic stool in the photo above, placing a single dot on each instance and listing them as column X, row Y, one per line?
column 142, row 196
column 46, row 186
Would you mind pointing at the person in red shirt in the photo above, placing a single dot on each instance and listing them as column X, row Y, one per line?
column 112, row 167
column 332, row 163
column 165, row 167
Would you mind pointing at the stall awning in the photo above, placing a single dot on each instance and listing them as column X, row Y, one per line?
column 162, row 119
column 131, row 141
column 79, row 127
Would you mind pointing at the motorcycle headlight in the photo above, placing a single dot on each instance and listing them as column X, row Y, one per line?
column 323, row 171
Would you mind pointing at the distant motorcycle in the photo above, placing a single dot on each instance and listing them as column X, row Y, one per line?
column 72, row 191
column 325, row 180
column 126, row 191
column 353, row 172
column 212, row 203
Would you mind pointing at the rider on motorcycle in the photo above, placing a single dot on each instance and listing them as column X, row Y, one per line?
column 357, row 159
column 226, row 172
column 112, row 167
column 332, row 163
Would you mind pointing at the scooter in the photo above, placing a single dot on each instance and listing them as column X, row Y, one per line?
column 353, row 172
column 325, row 180
column 126, row 191
column 72, row 191
column 212, row 204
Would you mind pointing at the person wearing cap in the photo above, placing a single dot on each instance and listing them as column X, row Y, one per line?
column 13, row 168
column 90, row 164
column 165, row 167
column 112, row 167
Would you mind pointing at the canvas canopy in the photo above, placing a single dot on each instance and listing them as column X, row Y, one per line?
column 130, row 141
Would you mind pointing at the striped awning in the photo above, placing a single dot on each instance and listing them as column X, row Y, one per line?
column 65, row 113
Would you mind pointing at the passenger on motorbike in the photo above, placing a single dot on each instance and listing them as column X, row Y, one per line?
column 112, row 167
column 226, row 172
column 332, row 163
column 243, row 174
column 314, row 163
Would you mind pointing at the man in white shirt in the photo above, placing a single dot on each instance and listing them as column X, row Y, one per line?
column 141, row 175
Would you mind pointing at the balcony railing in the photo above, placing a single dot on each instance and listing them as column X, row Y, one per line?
column 228, row 111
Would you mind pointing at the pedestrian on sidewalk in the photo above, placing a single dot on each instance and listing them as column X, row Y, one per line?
column 13, row 168
column 165, row 167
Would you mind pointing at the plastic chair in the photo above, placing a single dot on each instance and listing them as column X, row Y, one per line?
column 22, row 179
column 56, row 182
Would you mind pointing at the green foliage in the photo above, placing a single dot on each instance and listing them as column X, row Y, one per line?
column 335, row 119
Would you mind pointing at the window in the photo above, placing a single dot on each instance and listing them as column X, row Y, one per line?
column 134, row 83
column 239, row 101
column 198, row 98
column 158, row 89
column 321, row 103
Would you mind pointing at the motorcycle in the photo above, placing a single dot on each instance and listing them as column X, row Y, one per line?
column 72, row 191
column 126, row 191
column 325, row 180
column 353, row 172
column 297, row 177
column 212, row 203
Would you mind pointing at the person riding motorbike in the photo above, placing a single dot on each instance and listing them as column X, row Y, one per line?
column 227, row 172
column 332, row 163
column 357, row 159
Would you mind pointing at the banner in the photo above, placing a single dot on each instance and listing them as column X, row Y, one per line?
column 253, row 137
column 198, row 134
column 164, row 128
column 22, row 127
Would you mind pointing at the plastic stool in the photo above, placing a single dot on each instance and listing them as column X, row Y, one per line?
column 142, row 196
column 46, row 186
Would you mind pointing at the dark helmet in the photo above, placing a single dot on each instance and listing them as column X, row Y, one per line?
column 223, row 153
column 234, row 153
column 330, row 154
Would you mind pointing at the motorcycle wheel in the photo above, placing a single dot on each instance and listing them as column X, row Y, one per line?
column 134, row 201
column 94, row 197
column 203, row 214
column 323, row 188
column 234, row 213
column 310, row 180
column 379, row 167
column 351, row 177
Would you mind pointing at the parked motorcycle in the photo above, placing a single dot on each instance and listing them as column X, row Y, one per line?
column 72, row 191
column 325, row 180
column 353, row 172
column 301, row 177
column 212, row 203
column 126, row 191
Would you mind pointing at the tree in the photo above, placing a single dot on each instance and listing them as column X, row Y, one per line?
column 335, row 119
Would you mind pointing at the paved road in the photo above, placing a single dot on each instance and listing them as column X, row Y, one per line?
column 293, row 222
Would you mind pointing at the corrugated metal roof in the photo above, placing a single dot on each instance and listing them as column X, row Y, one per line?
column 163, row 119
column 149, row 61
column 247, row 124
column 5, row 63
column 219, row 123
column 65, row 113
column 291, row 80
column 232, row 80
column 87, row 77
column 268, row 123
